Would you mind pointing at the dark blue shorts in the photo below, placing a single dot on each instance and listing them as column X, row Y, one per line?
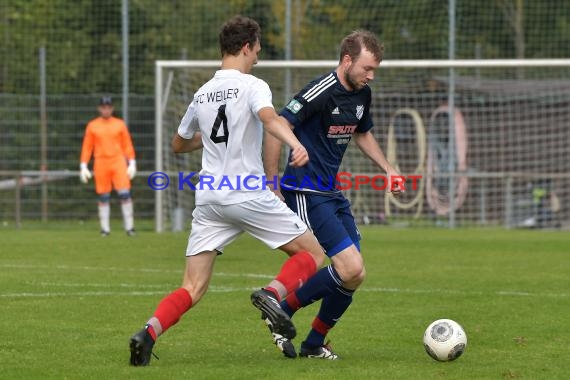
column 329, row 217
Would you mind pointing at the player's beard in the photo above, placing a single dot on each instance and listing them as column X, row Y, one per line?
column 354, row 85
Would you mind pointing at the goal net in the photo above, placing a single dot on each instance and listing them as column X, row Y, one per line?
column 501, row 159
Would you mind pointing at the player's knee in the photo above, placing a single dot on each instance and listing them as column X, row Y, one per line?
column 359, row 279
column 354, row 273
column 124, row 195
column 351, row 269
column 306, row 242
column 318, row 256
column 104, row 198
column 353, row 279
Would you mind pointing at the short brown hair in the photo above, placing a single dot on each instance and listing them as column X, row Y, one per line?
column 237, row 32
column 353, row 44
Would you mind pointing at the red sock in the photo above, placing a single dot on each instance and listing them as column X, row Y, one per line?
column 151, row 331
column 171, row 308
column 320, row 327
column 296, row 270
column 293, row 302
column 274, row 291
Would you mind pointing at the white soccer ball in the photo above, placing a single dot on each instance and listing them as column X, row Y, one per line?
column 445, row 340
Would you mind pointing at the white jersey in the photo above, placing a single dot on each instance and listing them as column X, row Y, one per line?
column 225, row 111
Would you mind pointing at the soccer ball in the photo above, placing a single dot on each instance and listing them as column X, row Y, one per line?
column 445, row 340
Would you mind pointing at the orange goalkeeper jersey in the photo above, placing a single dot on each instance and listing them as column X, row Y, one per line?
column 106, row 139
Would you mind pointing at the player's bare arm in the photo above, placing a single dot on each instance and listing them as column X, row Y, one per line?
column 369, row 146
column 182, row 145
column 271, row 158
column 276, row 126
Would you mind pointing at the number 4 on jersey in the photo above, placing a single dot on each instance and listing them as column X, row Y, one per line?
column 221, row 119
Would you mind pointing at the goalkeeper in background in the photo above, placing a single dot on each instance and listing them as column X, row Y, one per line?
column 109, row 140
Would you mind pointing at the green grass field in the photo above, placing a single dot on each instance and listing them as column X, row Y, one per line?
column 70, row 301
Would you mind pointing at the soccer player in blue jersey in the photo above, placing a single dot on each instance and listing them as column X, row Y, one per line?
column 325, row 116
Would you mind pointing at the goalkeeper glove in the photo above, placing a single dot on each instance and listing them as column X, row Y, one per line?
column 84, row 173
column 132, row 169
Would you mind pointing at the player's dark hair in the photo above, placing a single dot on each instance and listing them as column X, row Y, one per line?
column 237, row 32
column 353, row 44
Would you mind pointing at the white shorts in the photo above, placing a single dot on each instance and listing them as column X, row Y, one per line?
column 266, row 218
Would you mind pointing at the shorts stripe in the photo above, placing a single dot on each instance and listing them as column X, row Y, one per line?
column 302, row 209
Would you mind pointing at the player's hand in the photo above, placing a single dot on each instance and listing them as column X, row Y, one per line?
column 396, row 182
column 84, row 173
column 299, row 156
column 132, row 169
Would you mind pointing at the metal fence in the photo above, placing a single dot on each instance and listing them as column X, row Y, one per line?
column 58, row 58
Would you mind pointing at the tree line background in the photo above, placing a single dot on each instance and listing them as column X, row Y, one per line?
column 83, row 37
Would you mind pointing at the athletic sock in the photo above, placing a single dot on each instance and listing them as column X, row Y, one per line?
column 151, row 331
column 323, row 283
column 332, row 308
column 169, row 311
column 128, row 218
column 104, row 216
column 295, row 272
column 274, row 292
column 319, row 331
column 291, row 304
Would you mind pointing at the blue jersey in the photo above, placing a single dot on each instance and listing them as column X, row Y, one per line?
column 325, row 116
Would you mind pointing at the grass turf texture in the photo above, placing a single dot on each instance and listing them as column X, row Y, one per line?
column 70, row 300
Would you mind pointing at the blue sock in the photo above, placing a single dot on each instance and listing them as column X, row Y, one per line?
column 323, row 283
column 332, row 308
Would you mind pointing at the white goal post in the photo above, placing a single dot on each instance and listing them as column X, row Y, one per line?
column 501, row 160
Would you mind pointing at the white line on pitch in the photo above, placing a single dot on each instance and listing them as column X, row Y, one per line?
column 96, row 285
column 212, row 289
column 223, row 289
column 120, row 269
column 256, row 275
column 464, row 293
column 77, row 294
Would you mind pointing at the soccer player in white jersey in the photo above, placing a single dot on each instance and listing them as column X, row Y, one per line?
column 225, row 118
